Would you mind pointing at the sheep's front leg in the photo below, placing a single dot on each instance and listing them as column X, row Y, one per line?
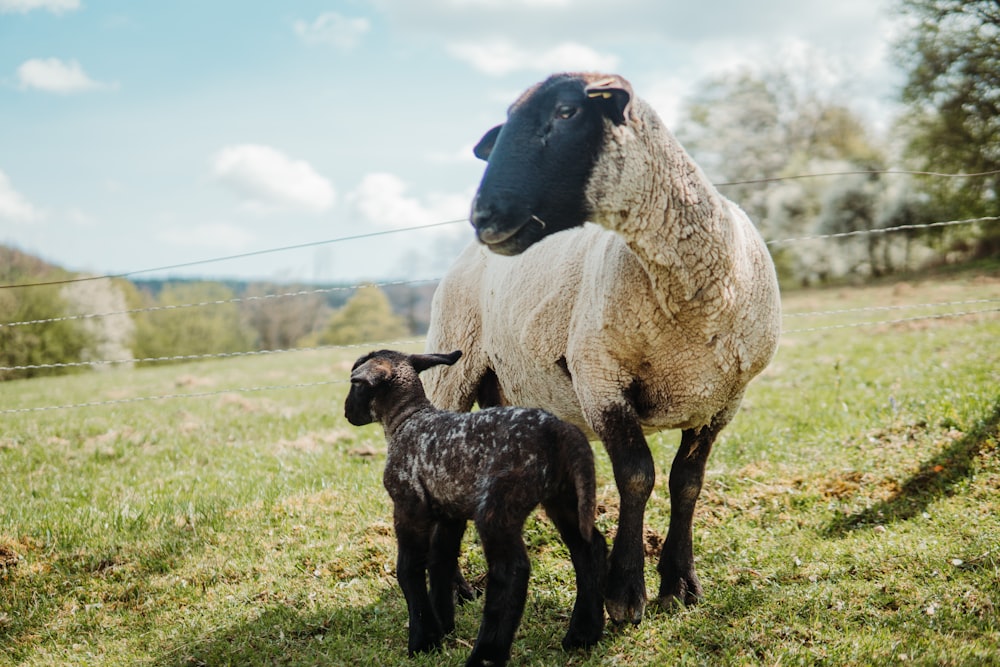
column 678, row 580
column 506, row 592
column 619, row 430
column 413, row 542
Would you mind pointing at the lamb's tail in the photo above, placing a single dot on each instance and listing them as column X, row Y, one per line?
column 580, row 457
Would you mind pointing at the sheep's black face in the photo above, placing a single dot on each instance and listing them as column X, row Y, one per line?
column 540, row 161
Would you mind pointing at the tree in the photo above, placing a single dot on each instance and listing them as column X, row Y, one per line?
column 952, row 53
column 752, row 126
column 280, row 321
column 51, row 340
column 111, row 336
column 366, row 317
column 208, row 329
column 850, row 205
column 749, row 126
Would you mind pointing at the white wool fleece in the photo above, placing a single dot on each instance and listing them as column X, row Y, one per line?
column 670, row 299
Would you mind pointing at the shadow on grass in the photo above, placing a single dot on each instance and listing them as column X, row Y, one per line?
column 284, row 635
column 935, row 479
column 353, row 634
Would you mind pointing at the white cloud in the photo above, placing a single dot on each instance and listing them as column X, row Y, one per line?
column 55, row 76
column 267, row 179
column 215, row 236
column 499, row 57
column 382, row 200
column 25, row 6
column 332, row 28
column 13, row 206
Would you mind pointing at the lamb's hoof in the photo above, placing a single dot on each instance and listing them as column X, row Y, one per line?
column 425, row 644
column 487, row 657
column 575, row 639
column 464, row 592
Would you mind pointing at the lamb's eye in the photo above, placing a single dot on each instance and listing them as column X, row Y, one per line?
column 565, row 111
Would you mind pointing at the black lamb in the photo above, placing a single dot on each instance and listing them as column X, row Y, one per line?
column 494, row 467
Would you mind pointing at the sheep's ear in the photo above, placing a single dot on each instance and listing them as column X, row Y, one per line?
column 485, row 145
column 422, row 362
column 614, row 94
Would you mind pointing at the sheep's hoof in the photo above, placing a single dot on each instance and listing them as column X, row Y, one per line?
column 622, row 612
column 625, row 597
column 683, row 593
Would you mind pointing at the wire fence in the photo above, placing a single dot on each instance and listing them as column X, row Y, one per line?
column 97, row 363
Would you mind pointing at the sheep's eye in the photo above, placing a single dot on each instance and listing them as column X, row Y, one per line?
column 565, row 111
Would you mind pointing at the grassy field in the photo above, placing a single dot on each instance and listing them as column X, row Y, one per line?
column 851, row 512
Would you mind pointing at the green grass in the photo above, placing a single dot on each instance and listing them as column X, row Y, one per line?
column 851, row 512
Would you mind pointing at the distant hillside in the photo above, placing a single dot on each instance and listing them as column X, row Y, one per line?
column 410, row 301
column 17, row 266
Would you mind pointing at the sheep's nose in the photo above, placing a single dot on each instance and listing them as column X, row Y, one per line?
column 485, row 221
column 489, row 229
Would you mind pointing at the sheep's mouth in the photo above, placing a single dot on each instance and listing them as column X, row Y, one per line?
column 512, row 240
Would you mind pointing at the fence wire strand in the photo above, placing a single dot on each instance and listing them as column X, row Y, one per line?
column 217, row 302
column 321, row 383
column 238, row 390
column 311, row 244
column 885, row 230
column 327, row 290
column 341, row 288
column 164, row 397
column 97, row 363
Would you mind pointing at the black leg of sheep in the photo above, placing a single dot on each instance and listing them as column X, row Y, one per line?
column 635, row 474
column 678, row 580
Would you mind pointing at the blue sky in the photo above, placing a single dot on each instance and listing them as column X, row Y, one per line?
column 135, row 135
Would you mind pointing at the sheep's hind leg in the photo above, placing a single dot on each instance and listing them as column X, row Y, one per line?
column 506, row 593
column 678, row 580
column 589, row 558
column 619, row 430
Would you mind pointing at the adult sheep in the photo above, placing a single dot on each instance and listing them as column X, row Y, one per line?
column 656, row 317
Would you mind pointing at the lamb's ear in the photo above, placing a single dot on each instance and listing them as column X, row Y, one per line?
column 485, row 145
column 614, row 94
column 422, row 362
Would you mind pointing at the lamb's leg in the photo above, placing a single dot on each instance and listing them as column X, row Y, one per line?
column 590, row 564
column 506, row 592
column 470, row 381
column 619, row 430
column 678, row 581
column 413, row 542
column 442, row 566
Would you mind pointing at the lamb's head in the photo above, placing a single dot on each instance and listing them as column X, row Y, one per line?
column 540, row 161
column 383, row 379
